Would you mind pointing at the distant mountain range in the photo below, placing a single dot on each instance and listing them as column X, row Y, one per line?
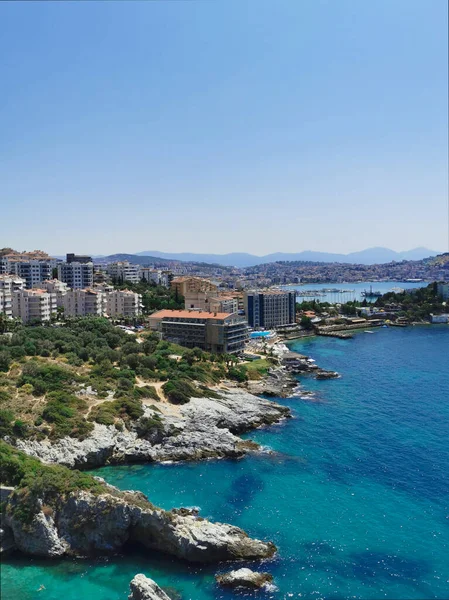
column 370, row 256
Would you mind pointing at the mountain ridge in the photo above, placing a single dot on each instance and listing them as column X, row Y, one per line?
column 369, row 256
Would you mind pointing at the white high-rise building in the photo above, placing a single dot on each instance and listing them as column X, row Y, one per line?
column 8, row 285
column 54, row 286
column 33, row 305
column 32, row 271
column 123, row 303
column 124, row 271
column 158, row 276
column 82, row 303
column 76, row 275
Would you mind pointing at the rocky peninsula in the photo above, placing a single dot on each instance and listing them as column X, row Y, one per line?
column 86, row 523
column 202, row 428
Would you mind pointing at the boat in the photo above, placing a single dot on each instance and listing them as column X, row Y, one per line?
column 368, row 331
column 371, row 293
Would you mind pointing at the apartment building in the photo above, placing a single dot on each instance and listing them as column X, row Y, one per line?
column 211, row 301
column 124, row 271
column 32, row 271
column 76, row 275
column 8, row 285
column 212, row 331
column 33, row 305
column 56, row 287
column 267, row 309
column 185, row 285
column 83, row 303
column 123, row 303
column 157, row 276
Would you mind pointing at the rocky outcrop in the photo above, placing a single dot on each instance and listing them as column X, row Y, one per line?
column 40, row 538
column 7, row 543
column 205, row 428
column 144, row 588
column 322, row 374
column 245, row 578
column 278, row 383
column 84, row 524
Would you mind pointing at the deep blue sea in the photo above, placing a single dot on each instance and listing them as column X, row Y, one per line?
column 355, row 495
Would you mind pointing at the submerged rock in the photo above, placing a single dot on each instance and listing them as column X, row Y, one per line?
column 87, row 524
column 206, row 428
column 245, row 578
column 144, row 588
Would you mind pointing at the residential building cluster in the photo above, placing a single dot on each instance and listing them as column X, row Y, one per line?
column 44, row 301
column 217, row 321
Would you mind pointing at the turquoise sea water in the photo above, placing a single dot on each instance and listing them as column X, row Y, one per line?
column 356, row 495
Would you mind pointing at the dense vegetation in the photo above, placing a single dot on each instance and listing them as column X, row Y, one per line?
column 154, row 297
column 415, row 305
column 34, row 480
column 58, row 380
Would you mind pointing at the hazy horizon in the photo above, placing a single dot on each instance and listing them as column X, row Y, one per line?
column 224, row 127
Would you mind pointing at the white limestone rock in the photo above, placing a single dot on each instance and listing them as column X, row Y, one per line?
column 206, row 428
column 89, row 524
column 246, row 579
column 144, row 588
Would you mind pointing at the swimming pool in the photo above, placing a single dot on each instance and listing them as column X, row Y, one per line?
column 260, row 334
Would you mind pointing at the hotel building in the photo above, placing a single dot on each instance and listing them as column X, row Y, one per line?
column 268, row 309
column 212, row 331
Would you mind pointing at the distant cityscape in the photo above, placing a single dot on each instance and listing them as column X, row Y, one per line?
column 207, row 306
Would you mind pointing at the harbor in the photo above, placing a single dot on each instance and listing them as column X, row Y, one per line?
column 339, row 293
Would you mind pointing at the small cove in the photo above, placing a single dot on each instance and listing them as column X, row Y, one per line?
column 355, row 494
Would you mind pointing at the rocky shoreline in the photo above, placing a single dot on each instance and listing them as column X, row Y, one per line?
column 205, row 428
column 281, row 381
column 86, row 524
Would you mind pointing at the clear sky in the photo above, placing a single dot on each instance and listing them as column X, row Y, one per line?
column 223, row 125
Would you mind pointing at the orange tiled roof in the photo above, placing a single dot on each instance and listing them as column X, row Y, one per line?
column 189, row 314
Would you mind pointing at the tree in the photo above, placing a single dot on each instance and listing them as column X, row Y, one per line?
column 306, row 322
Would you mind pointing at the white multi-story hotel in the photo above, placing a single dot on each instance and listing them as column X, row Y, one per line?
column 33, row 305
column 270, row 308
column 124, row 271
column 8, row 285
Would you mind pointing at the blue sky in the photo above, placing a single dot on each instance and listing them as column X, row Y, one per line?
column 224, row 125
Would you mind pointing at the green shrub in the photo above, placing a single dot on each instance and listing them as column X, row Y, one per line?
column 35, row 481
column 6, row 419
column 238, row 374
column 179, row 391
column 146, row 391
column 127, row 409
column 65, row 413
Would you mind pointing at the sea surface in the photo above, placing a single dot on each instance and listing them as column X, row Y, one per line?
column 351, row 291
column 355, row 495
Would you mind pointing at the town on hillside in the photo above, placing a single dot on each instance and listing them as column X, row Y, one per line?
column 203, row 306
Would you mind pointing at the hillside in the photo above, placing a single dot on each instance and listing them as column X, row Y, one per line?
column 242, row 259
